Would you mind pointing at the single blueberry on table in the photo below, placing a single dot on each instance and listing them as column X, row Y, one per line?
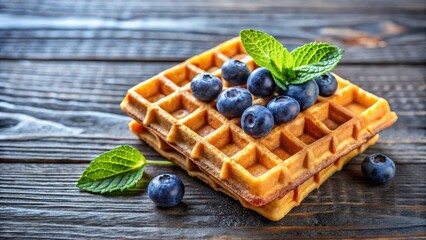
column 166, row 190
column 378, row 168
column 261, row 83
column 233, row 101
column 327, row 84
column 257, row 121
column 306, row 94
column 283, row 108
column 235, row 72
column 206, row 87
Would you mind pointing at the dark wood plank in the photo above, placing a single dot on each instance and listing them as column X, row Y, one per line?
column 41, row 200
column 132, row 8
column 390, row 37
column 69, row 111
column 180, row 50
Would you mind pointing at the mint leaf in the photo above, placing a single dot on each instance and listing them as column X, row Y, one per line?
column 288, row 59
column 314, row 59
column 281, row 83
column 310, row 53
column 117, row 169
column 301, row 65
column 266, row 52
column 121, row 181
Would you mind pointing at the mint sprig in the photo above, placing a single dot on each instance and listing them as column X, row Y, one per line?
column 118, row 169
column 301, row 65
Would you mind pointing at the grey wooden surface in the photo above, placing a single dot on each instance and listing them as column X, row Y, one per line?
column 66, row 65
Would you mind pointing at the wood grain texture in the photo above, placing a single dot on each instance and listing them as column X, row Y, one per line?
column 56, row 111
column 173, row 32
column 406, row 48
column 132, row 8
column 172, row 50
column 66, row 65
column 51, row 206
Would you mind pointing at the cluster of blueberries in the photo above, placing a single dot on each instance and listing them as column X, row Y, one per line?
column 257, row 120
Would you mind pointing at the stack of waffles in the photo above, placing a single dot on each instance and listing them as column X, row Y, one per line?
column 270, row 175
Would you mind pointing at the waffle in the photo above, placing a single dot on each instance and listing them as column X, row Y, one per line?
column 275, row 210
column 258, row 171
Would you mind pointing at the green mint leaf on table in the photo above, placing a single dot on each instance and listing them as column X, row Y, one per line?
column 299, row 66
column 118, row 169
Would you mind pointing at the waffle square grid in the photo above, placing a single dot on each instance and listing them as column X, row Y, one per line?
column 259, row 171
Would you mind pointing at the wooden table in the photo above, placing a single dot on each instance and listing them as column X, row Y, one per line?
column 66, row 65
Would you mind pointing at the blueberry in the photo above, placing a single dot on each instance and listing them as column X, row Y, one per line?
column 378, row 168
column 235, row 72
column 260, row 83
column 327, row 84
column 166, row 190
column 233, row 101
column 206, row 87
column 284, row 108
column 306, row 93
column 257, row 121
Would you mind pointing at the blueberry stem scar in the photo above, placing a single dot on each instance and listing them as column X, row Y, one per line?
column 158, row 162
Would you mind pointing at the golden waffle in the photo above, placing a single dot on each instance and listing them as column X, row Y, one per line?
column 259, row 171
column 275, row 210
